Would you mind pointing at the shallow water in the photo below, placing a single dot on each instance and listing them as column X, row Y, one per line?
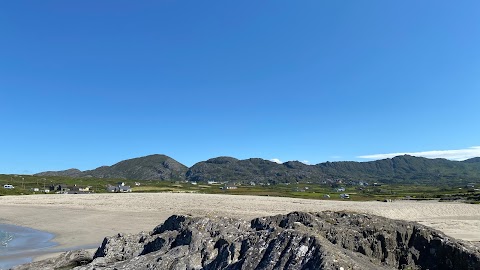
column 19, row 244
column 5, row 237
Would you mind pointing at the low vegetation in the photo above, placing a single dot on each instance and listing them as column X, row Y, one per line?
column 28, row 184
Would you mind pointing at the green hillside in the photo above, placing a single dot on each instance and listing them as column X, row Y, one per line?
column 401, row 170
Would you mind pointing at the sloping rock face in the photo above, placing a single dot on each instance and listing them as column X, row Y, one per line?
column 67, row 260
column 325, row 240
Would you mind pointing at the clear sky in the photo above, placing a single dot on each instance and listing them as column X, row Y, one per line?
column 89, row 83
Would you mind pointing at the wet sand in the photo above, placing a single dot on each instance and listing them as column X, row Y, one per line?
column 84, row 220
column 26, row 243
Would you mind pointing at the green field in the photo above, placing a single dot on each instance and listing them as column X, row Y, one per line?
column 24, row 184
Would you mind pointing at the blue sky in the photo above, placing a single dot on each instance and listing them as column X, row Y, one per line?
column 89, row 83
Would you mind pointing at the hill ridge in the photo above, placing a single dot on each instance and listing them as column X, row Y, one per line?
column 151, row 167
column 399, row 169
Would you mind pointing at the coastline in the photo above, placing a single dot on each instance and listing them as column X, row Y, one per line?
column 26, row 244
column 82, row 221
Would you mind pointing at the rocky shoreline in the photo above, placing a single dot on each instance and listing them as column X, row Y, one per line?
column 299, row 240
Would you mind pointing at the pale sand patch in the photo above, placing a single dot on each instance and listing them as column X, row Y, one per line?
column 78, row 220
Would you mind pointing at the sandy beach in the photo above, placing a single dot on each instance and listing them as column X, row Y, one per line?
column 84, row 220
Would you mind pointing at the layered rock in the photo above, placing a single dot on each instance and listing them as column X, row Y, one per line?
column 325, row 240
column 67, row 260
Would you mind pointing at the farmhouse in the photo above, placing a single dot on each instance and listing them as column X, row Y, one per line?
column 228, row 186
column 60, row 188
column 120, row 187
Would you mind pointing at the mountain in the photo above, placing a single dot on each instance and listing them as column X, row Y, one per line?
column 472, row 160
column 153, row 167
column 400, row 169
column 69, row 173
column 253, row 169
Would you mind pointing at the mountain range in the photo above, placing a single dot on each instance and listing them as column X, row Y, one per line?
column 400, row 169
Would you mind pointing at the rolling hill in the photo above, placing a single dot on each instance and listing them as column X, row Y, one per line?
column 400, row 169
column 153, row 167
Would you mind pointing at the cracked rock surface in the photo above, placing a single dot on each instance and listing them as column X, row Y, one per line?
column 324, row 240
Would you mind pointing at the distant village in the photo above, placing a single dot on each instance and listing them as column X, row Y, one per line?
column 120, row 187
column 333, row 188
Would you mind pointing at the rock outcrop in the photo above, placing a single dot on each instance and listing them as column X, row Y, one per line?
column 67, row 260
column 325, row 240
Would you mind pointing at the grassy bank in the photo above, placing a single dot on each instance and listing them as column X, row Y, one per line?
column 27, row 184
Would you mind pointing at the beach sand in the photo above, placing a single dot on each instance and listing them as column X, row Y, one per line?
column 82, row 221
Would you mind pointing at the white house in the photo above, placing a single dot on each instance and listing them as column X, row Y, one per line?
column 119, row 188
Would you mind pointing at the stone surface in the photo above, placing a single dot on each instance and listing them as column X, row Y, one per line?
column 325, row 240
column 67, row 260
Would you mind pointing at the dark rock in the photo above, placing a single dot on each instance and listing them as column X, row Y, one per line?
column 67, row 260
column 325, row 240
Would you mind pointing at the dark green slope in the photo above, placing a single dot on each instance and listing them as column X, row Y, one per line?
column 153, row 167
column 400, row 169
column 68, row 173
column 253, row 169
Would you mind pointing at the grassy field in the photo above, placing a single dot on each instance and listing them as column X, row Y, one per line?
column 25, row 184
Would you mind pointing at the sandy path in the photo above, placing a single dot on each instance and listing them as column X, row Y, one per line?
column 78, row 220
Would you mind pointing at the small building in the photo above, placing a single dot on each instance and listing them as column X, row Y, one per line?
column 85, row 189
column 60, row 188
column 344, row 196
column 341, row 189
column 124, row 189
column 228, row 186
column 119, row 188
column 8, row 186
